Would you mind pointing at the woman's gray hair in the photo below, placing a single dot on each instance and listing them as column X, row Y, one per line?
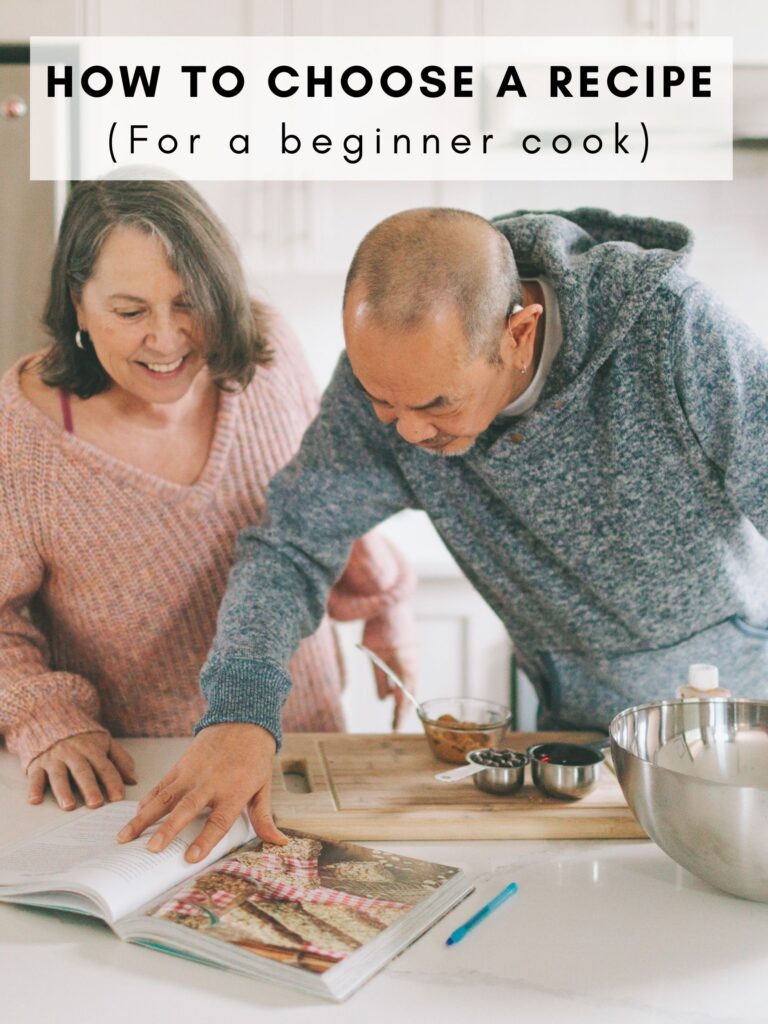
column 199, row 249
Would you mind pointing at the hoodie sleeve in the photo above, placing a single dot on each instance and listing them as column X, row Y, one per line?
column 377, row 583
column 720, row 370
column 342, row 482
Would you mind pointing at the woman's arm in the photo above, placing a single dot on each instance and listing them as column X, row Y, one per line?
column 376, row 586
column 48, row 718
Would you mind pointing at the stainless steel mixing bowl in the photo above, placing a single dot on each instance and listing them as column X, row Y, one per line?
column 695, row 774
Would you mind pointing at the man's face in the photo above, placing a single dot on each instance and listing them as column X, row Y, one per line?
column 424, row 381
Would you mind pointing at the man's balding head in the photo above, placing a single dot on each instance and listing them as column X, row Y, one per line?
column 417, row 262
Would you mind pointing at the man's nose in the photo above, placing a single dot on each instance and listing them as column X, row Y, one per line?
column 413, row 429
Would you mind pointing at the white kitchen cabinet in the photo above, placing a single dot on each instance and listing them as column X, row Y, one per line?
column 325, row 221
column 175, row 17
column 296, row 227
column 351, row 18
column 745, row 20
column 464, row 651
column 464, row 648
column 566, row 18
column 20, row 19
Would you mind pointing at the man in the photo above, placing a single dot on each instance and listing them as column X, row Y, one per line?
column 586, row 426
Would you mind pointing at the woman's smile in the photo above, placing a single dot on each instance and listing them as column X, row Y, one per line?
column 166, row 370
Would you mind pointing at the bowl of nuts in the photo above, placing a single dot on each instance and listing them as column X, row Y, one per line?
column 456, row 725
column 503, row 770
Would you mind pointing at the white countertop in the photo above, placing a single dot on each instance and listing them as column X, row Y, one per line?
column 599, row 932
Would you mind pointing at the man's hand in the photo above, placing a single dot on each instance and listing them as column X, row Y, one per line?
column 93, row 760
column 226, row 767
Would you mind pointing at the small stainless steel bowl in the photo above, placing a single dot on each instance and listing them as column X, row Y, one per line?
column 566, row 771
column 501, row 781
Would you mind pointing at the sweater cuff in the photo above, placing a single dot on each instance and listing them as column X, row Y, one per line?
column 57, row 719
column 244, row 690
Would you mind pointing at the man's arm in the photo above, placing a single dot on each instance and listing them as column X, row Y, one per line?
column 342, row 482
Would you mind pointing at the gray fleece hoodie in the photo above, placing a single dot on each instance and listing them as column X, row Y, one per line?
column 618, row 528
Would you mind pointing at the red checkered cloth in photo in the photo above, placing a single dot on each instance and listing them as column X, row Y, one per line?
column 192, row 901
column 221, row 899
column 272, row 888
column 184, row 907
column 302, row 867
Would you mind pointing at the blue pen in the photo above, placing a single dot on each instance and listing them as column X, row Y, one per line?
column 481, row 915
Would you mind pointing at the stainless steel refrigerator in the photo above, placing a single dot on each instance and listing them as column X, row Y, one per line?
column 28, row 217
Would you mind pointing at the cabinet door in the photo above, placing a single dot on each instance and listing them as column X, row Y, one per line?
column 566, row 18
column 351, row 18
column 24, row 18
column 27, row 216
column 169, row 18
column 746, row 21
column 329, row 219
column 464, row 651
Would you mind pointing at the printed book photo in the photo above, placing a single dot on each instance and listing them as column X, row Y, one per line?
column 320, row 916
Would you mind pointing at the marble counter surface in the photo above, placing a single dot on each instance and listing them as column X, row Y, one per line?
column 599, row 932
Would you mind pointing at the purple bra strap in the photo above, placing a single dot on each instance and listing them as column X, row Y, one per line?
column 66, row 410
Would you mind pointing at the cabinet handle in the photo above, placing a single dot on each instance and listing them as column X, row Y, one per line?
column 13, row 107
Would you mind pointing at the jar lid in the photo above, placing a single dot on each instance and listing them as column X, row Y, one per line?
column 703, row 677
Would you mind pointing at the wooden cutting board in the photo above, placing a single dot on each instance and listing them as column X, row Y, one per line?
column 383, row 787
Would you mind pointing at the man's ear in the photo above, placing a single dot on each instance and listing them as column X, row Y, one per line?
column 520, row 333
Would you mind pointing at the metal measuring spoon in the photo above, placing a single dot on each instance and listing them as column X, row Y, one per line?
column 456, row 774
column 391, row 675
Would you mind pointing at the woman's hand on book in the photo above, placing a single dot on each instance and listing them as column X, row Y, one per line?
column 96, row 764
column 227, row 767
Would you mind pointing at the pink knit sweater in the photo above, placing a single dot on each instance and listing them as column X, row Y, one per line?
column 110, row 578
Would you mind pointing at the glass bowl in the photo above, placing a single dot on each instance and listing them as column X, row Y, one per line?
column 455, row 725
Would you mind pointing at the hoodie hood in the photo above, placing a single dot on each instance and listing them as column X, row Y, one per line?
column 604, row 268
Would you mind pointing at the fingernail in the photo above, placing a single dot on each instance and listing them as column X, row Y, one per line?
column 193, row 854
column 66, row 806
column 125, row 833
column 155, row 844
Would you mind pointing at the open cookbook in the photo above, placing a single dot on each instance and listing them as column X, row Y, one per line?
column 320, row 916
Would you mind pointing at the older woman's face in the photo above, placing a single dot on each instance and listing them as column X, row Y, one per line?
column 139, row 319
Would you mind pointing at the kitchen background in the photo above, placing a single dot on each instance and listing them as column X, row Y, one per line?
column 296, row 238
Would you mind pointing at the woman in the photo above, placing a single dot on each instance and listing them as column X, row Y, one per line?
column 132, row 452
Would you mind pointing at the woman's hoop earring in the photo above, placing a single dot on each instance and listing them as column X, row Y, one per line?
column 79, row 340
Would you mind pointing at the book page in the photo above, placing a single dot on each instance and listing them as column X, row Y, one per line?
column 82, row 854
column 308, row 906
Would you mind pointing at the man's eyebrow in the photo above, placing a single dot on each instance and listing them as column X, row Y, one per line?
column 435, row 403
